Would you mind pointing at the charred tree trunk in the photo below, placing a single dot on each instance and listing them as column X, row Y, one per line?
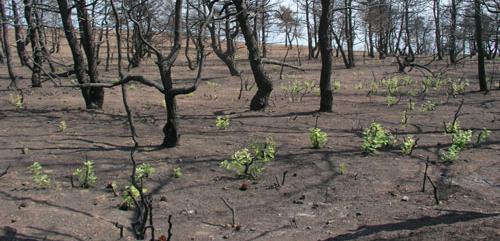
column 437, row 25
column 326, row 103
column 93, row 96
column 6, row 46
column 36, row 68
column 263, row 81
column 20, row 45
column 452, row 41
column 483, row 85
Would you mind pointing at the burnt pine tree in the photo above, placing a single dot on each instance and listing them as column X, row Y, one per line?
column 34, row 35
column 325, row 46
column 263, row 81
column 93, row 96
column 6, row 46
column 483, row 85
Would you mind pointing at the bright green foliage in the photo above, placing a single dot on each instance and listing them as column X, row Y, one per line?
column 17, row 101
column 130, row 193
column 40, row 179
column 458, row 87
column 428, row 106
column 376, row 137
column 132, row 87
column 392, row 85
column 451, row 128
column 358, row 86
column 62, row 126
column 222, row 122
column 296, row 90
column 336, row 84
column 86, row 175
column 460, row 138
column 144, row 171
column 374, row 87
column 391, row 100
column 342, row 168
column 411, row 105
column 177, row 172
column 483, row 136
column 408, row 145
column 250, row 162
column 317, row 137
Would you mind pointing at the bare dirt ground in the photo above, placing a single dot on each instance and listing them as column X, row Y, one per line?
column 377, row 198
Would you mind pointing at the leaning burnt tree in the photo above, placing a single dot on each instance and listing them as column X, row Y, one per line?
column 85, row 73
column 263, row 81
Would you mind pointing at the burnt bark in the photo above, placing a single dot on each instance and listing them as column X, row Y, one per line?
column 326, row 103
column 6, row 46
column 483, row 85
column 263, row 81
column 36, row 48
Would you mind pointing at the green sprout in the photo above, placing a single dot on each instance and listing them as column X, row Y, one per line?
column 317, row 137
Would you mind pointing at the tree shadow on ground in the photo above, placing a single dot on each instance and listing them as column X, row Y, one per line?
column 414, row 224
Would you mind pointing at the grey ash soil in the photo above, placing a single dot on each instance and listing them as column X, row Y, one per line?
column 316, row 202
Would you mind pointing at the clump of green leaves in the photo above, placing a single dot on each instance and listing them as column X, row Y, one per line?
column 411, row 105
column 317, row 137
column 336, row 84
column 177, row 172
column 392, row 85
column 130, row 194
column 460, row 138
column 428, row 106
column 17, row 101
column 144, row 170
column 40, row 179
column 132, row 87
column 295, row 90
column 342, row 168
column 450, row 128
column 222, row 122
column 62, row 126
column 358, row 86
column 391, row 100
column 483, row 136
column 376, row 137
column 85, row 175
column 458, row 87
column 408, row 145
column 250, row 162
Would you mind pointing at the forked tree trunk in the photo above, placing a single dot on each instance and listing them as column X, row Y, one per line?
column 93, row 96
column 263, row 81
column 326, row 103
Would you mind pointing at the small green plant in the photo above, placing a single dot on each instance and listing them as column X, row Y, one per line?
column 408, row 145
column 458, row 87
column 62, row 126
column 404, row 118
column 40, row 179
column 132, row 87
column 85, row 175
column 483, row 136
column 336, row 84
column 428, row 106
column 250, row 162
column 450, row 128
column 342, row 168
column 376, row 137
column 392, row 85
column 317, row 137
column 391, row 100
column 222, row 122
column 358, row 86
column 144, row 171
column 130, row 194
column 177, row 172
column 374, row 87
column 460, row 138
column 295, row 90
column 17, row 101
column 411, row 105
column 212, row 85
